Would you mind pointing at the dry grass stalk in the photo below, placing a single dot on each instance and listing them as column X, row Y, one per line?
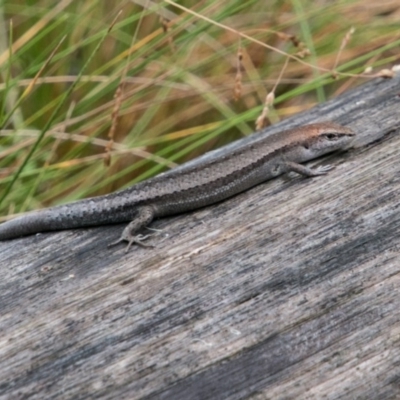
column 238, row 77
column 344, row 43
column 262, row 120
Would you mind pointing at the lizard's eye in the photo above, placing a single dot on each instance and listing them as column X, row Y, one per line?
column 331, row 136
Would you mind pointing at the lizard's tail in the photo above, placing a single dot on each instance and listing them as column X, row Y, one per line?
column 67, row 216
column 26, row 225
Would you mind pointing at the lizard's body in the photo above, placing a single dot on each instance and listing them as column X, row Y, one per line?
column 193, row 187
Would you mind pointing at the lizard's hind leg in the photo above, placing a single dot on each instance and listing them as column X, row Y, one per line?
column 145, row 214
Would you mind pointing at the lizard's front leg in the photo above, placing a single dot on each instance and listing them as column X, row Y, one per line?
column 145, row 214
column 306, row 171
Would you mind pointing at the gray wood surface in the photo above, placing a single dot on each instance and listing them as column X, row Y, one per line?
column 288, row 291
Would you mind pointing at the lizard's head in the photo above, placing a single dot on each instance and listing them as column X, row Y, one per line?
column 328, row 137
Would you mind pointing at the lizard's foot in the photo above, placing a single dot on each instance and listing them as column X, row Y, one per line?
column 307, row 171
column 127, row 237
column 322, row 169
column 143, row 217
column 138, row 239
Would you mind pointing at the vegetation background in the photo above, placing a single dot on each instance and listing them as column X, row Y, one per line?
column 99, row 94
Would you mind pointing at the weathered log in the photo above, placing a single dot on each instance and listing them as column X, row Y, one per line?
column 288, row 291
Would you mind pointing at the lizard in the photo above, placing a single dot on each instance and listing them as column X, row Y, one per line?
column 185, row 189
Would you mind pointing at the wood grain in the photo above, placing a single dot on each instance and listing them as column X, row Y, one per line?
column 288, row 291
